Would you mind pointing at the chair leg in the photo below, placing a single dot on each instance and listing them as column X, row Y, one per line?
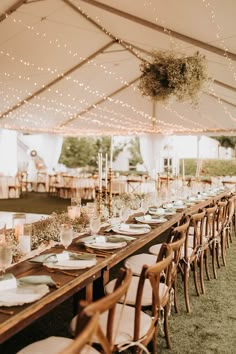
column 195, row 276
column 175, row 295
column 166, row 325
column 214, row 259
column 223, row 247
column 206, row 252
column 218, row 254
column 186, row 295
column 202, row 272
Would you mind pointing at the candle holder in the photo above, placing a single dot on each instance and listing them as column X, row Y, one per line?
column 110, row 191
column 158, row 182
column 99, row 206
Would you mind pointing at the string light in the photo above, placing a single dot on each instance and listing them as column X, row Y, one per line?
column 65, row 110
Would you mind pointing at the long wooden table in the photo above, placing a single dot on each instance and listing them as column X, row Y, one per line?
column 69, row 286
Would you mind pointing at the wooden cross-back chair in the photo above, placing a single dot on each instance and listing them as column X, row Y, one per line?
column 151, row 289
column 191, row 253
column 105, row 338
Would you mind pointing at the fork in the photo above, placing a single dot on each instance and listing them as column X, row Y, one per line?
column 5, row 312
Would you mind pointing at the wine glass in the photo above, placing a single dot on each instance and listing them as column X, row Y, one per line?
column 94, row 224
column 5, row 257
column 66, row 234
column 124, row 214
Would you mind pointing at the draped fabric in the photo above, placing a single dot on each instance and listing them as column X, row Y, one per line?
column 151, row 148
column 8, row 149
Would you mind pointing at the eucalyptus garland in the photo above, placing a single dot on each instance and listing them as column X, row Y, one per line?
column 169, row 74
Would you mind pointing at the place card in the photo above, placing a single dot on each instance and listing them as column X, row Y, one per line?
column 63, row 256
column 100, row 239
column 8, row 282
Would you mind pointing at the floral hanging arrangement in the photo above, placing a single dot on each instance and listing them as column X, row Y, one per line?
column 171, row 75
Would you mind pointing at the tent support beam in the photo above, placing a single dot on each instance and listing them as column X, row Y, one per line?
column 221, row 99
column 102, row 29
column 162, row 29
column 12, row 9
column 92, row 106
column 55, row 81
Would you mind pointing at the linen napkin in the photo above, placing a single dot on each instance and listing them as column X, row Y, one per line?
column 120, row 238
column 72, row 264
column 36, row 280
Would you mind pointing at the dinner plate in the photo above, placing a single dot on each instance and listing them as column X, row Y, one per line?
column 133, row 230
column 22, row 295
column 151, row 221
column 71, row 264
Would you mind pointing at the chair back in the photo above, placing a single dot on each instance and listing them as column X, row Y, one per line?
column 210, row 221
column 87, row 327
column 221, row 215
column 156, row 274
column 107, row 303
column 178, row 239
column 197, row 221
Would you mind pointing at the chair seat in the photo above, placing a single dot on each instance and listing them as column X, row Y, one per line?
column 135, row 263
column 147, row 292
column 124, row 319
column 53, row 345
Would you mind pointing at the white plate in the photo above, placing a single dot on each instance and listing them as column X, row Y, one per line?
column 71, row 264
column 22, row 295
column 137, row 230
column 152, row 221
column 106, row 245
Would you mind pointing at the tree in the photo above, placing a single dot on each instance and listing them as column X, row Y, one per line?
column 83, row 152
column 226, row 141
column 135, row 152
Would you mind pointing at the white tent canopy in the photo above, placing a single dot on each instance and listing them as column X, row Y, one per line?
column 71, row 67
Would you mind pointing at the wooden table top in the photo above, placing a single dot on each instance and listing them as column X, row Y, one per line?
column 26, row 314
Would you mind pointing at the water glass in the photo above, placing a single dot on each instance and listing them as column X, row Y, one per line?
column 94, row 225
column 5, row 257
column 66, row 235
column 124, row 214
column 2, row 231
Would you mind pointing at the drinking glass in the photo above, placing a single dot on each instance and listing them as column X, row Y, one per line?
column 124, row 214
column 66, row 234
column 2, row 231
column 94, row 225
column 5, row 257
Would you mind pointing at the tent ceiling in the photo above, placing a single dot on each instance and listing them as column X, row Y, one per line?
column 71, row 67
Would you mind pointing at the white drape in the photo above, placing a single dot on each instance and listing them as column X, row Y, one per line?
column 151, row 146
column 48, row 147
column 8, row 151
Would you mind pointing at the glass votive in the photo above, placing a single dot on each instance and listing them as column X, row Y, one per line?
column 18, row 220
column 73, row 211
column 2, row 231
column 24, row 240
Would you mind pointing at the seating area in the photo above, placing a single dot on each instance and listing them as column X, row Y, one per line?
column 156, row 282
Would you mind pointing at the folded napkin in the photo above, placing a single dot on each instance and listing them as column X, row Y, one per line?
column 36, row 280
column 72, row 264
column 81, row 256
column 119, row 238
column 22, row 295
column 52, row 257
column 49, row 257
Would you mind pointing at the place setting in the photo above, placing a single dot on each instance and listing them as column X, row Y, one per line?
column 16, row 292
